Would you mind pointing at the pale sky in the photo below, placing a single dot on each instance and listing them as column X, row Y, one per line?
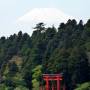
column 11, row 10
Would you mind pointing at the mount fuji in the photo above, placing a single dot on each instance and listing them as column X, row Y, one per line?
column 49, row 16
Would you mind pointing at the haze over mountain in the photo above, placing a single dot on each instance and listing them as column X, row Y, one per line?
column 12, row 10
column 49, row 16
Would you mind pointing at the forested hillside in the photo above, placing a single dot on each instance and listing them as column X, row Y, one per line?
column 65, row 50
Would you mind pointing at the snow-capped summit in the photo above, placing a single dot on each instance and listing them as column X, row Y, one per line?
column 46, row 15
column 49, row 16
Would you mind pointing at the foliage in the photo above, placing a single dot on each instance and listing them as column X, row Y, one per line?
column 36, row 77
column 84, row 86
column 65, row 50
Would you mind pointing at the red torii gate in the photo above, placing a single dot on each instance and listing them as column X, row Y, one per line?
column 52, row 77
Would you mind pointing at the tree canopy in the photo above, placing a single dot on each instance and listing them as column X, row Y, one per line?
column 65, row 49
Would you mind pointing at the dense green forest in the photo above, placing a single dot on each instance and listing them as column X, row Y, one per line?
column 65, row 50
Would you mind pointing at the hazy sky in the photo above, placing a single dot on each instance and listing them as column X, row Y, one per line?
column 11, row 10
